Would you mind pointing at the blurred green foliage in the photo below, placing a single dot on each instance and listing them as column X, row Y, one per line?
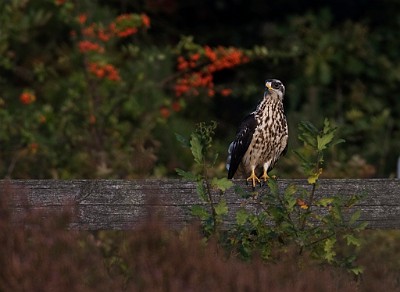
column 91, row 88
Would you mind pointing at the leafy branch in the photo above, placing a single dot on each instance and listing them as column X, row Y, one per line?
column 316, row 142
column 200, row 144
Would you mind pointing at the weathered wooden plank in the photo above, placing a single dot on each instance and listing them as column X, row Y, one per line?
column 124, row 204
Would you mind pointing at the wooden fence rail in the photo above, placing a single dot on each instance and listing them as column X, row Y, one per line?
column 125, row 204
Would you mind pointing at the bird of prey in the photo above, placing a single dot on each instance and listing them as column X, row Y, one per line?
column 261, row 138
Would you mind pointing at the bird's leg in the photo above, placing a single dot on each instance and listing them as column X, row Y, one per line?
column 253, row 178
column 265, row 175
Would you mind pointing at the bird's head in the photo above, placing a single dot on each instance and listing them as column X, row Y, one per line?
column 274, row 87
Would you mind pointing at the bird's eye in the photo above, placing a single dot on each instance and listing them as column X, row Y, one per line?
column 276, row 85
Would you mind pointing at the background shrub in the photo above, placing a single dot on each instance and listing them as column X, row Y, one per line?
column 97, row 89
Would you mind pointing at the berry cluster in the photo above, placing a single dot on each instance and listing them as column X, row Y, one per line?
column 27, row 97
column 88, row 46
column 127, row 24
column 95, row 36
column 104, row 71
column 198, row 69
column 165, row 110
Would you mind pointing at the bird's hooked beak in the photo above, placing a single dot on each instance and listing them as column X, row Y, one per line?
column 268, row 85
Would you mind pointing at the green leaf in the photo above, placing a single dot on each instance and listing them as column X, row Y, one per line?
column 352, row 240
column 324, row 202
column 361, row 226
column 338, row 141
column 354, row 217
column 290, row 203
column 200, row 212
column 327, row 126
column 354, row 199
column 196, row 148
column 308, row 127
column 312, row 179
column 289, row 197
column 290, row 190
column 182, row 140
column 324, row 140
column 276, row 212
column 186, row 174
column 221, row 208
column 201, row 191
column 241, row 217
column 221, row 183
column 328, row 249
column 336, row 212
column 307, row 133
column 357, row 270
column 327, row 137
column 273, row 186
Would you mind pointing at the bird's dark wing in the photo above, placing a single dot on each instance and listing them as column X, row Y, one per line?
column 239, row 146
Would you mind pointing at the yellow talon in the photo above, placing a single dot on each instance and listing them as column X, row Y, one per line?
column 265, row 176
column 253, row 178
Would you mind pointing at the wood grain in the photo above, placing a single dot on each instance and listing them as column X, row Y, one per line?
column 126, row 204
